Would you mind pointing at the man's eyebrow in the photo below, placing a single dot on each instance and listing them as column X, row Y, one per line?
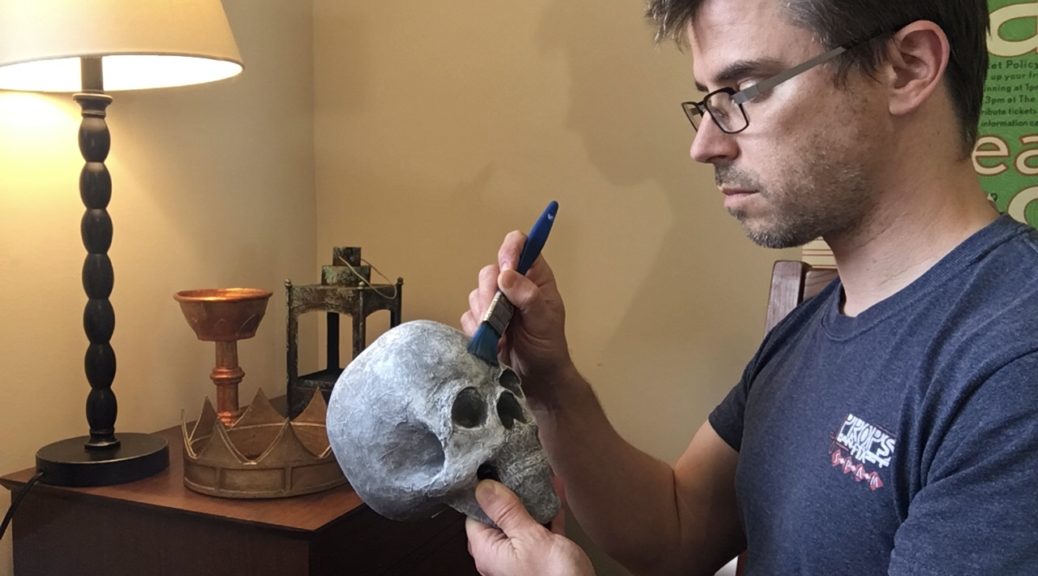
column 740, row 69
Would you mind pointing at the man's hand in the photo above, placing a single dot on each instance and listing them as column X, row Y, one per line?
column 535, row 344
column 520, row 546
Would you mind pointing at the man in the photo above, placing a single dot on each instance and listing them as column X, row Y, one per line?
column 890, row 424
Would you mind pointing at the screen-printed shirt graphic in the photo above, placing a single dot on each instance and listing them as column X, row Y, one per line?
column 860, row 450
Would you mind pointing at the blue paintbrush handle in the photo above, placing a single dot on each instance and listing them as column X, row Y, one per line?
column 537, row 237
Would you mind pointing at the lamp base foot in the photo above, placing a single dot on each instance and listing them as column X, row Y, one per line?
column 70, row 463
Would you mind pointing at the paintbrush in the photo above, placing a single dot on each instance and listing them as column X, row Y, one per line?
column 484, row 342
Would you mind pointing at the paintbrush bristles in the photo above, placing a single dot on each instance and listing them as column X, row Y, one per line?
column 495, row 321
column 484, row 344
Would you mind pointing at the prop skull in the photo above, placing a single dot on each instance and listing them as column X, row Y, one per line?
column 415, row 422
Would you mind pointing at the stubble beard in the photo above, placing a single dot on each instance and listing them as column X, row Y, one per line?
column 823, row 195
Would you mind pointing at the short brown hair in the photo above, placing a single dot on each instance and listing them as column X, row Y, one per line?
column 837, row 22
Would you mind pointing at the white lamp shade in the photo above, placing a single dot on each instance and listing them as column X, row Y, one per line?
column 142, row 43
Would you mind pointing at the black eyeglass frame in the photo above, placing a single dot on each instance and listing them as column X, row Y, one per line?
column 695, row 110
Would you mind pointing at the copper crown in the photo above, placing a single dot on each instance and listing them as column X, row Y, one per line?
column 263, row 454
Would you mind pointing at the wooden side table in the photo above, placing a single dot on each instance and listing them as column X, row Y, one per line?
column 158, row 527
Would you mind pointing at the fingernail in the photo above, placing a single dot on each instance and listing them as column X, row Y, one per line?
column 485, row 489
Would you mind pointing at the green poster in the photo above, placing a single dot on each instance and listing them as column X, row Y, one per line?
column 1006, row 155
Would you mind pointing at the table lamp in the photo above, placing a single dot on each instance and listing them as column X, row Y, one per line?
column 90, row 47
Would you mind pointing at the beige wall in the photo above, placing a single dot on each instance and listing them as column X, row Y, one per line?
column 213, row 186
column 421, row 132
column 442, row 125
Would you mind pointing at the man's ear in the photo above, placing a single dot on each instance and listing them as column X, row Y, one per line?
column 916, row 59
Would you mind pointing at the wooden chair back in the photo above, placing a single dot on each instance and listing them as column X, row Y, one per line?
column 792, row 282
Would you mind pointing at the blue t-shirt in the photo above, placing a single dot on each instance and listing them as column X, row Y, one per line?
column 903, row 440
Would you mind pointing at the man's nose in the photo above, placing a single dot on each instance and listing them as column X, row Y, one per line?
column 710, row 144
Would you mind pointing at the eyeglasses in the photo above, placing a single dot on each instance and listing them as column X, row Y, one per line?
column 725, row 104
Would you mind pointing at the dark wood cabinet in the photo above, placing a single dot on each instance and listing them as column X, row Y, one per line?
column 157, row 527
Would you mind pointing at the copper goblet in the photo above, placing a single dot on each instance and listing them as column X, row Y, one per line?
column 224, row 316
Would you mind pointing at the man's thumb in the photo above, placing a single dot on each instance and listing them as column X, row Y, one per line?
column 503, row 507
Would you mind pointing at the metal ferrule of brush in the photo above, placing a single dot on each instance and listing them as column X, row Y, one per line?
column 499, row 313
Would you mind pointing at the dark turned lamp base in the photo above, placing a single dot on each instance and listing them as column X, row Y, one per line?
column 102, row 458
column 70, row 463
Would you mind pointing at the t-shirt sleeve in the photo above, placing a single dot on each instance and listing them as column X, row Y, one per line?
column 977, row 509
column 727, row 418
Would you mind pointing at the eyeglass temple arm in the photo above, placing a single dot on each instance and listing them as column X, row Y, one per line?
column 752, row 92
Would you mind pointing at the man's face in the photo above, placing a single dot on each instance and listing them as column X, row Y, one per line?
column 802, row 167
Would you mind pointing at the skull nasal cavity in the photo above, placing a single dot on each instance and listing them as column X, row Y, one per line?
column 509, row 410
column 510, row 380
column 469, row 410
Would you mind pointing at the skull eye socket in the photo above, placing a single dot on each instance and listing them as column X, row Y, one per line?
column 419, row 456
column 469, row 410
column 510, row 381
column 509, row 410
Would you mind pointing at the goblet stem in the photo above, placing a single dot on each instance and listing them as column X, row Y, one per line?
column 227, row 375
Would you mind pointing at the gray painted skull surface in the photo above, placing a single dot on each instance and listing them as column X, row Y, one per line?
column 415, row 422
